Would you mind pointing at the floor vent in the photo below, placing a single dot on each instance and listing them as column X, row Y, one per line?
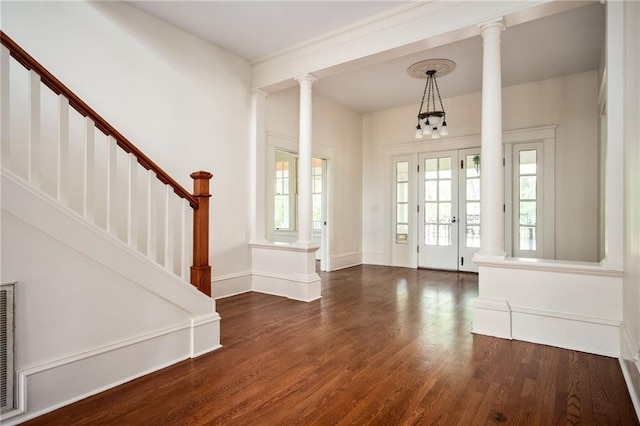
column 6, row 347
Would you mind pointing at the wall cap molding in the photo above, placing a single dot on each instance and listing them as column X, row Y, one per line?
column 551, row 265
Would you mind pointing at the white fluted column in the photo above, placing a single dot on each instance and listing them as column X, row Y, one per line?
column 305, row 218
column 491, row 171
column 258, row 166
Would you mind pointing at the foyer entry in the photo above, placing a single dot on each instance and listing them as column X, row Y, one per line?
column 449, row 209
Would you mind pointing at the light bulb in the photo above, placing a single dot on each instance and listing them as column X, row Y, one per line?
column 418, row 134
column 435, row 134
column 427, row 130
column 444, row 131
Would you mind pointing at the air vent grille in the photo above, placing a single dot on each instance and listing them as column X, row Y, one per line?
column 6, row 347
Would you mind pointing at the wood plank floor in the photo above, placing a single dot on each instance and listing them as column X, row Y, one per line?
column 384, row 346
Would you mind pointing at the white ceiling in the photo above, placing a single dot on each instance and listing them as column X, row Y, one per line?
column 561, row 44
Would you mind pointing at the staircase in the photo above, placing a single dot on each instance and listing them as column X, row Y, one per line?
column 99, row 241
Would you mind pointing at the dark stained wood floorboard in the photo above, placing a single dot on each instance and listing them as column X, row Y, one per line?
column 384, row 346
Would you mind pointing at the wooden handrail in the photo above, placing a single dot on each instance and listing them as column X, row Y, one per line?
column 79, row 105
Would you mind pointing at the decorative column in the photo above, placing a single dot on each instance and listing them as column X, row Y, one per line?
column 491, row 172
column 305, row 218
column 201, row 270
column 258, row 166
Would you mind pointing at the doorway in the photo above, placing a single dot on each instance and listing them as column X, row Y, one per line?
column 449, row 209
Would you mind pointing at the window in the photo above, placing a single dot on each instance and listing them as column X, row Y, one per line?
column 316, row 190
column 284, row 192
column 402, row 202
column 472, row 200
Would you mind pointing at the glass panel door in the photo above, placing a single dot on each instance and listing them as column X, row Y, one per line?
column 469, row 208
column 437, row 211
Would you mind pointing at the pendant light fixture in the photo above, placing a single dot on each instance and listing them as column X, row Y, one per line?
column 431, row 122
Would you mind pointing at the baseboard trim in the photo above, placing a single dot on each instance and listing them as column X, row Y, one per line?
column 231, row 285
column 304, row 289
column 344, row 261
column 630, row 366
column 44, row 388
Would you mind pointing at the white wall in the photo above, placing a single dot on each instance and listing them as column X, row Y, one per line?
column 631, row 284
column 569, row 102
column 338, row 129
column 181, row 100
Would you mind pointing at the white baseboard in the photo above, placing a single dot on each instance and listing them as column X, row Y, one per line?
column 296, row 288
column 494, row 317
column 346, row 261
column 491, row 317
column 45, row 388
column 586, row 334
column 630, row 366
column 230, row 285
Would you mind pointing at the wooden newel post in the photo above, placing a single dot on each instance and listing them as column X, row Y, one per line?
column 201, row 270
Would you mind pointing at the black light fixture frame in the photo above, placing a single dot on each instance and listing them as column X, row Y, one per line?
column 430, row 91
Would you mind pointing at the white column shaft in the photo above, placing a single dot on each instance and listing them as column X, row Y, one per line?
column 491, row 172
column 304, row 162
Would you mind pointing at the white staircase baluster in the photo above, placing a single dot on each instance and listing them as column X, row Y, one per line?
column 34, row 149
column 4, row 107
column 88, row 186
column 168, row 230
column 151, row 231
column 185, row 241
column 112, row 182
column 62, row 191
column 132, row 218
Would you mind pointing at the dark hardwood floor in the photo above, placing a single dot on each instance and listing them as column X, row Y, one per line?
column 384, row 346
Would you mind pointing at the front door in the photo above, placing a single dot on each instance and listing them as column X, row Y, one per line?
column 449, row 209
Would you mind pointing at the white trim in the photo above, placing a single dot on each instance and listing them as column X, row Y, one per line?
column 630, row 366
column 348, row 260
column 285, row 247
column 112, row 365
column 549, row 265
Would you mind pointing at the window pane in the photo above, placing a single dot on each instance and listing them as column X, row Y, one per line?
column 473, row 189
column 317, row 207
column 317, row 184
column 402, row 192
column 527, row 212
column 528, row 162
column 528, row 187
column 431, row 212
column 527, row 238
column 444, row 190
column 472, row 165
column 444, row 235
column 431, row 190
column 431, row 235
column 445, row 213
column 402, row 234
column 473, row 236
column 402, row 212
column 402, row 171
column 444, row 168
column 431, row 168
column 473, row 213
column 282, row 211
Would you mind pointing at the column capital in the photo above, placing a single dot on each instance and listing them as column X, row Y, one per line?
column 496, row 24
column 306, row 79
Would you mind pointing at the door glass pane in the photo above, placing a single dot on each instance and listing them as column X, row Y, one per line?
column 473, row 189
column 431, row 235
column 472, row 166
column 402, row 234
column 527, row 212
column 403, row 192
column 473, row 213
column 528, row 187
column 444, row 190
column 527, row 238
column 444, row 168
column 444, row 213
column 402, row 171
column 444, row 235
column 402, row 213
column 431, row 190
column 528, row 162
column 431, row 168
column 473, row 236
column 431, row 212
